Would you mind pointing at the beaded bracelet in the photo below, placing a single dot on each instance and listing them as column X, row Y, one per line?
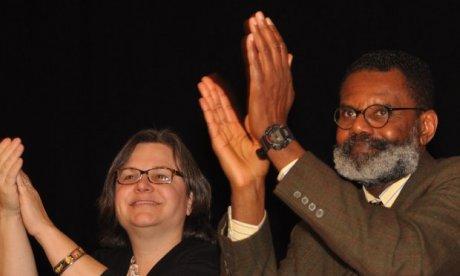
column 67, row 261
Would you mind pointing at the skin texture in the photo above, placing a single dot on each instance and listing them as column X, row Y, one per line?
column 235, row 150
column 271, row 95
column 364, row 88
column 268, row 69
column 14, row 244
column 144, row 204
column 153, row 228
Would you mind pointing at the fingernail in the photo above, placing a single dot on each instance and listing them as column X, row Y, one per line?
column 269, row 21
column 260, row 15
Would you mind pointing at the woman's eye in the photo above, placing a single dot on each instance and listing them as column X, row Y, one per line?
column 162, row 177
column 129, row 177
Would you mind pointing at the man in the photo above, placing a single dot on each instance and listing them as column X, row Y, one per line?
column 406, row 218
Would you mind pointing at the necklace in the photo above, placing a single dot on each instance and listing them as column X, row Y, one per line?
column 133, row 268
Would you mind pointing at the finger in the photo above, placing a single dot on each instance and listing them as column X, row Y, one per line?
column 8, row 150
column 272, row 43
column 203, row 89
column 222, row 100
column 23, row 181
column 247, row 127
column 290, row 58
column 217, row 139
column 230, row 114
column 278, row 41
column 25, row 178
column 210, row 106
column 5, row 142
column 14, row 171
column 262, row 47
column 208, row 117
column 219, row 112
column 255, row 66
column 6, row 168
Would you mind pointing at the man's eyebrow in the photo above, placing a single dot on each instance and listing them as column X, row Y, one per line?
column 376, row 103
column 347, row 106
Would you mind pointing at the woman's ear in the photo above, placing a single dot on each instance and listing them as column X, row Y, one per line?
column 190, row 204
column 427, row 127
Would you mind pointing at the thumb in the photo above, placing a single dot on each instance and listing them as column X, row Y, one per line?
column 248, row 130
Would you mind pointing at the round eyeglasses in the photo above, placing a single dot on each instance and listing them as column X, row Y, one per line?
column 376, row 115
column 157, row 175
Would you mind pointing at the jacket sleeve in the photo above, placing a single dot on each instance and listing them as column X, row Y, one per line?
column 422, row 239
column 252, row 256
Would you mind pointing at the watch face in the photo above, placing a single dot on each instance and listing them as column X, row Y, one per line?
column 276, row 136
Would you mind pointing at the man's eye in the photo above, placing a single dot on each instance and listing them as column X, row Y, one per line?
column 348, row 113
column 381, row 112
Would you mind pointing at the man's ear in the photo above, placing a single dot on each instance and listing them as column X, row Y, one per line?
column 427, row 127
column 190, row 204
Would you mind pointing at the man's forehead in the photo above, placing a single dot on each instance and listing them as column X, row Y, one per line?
column 368, row 87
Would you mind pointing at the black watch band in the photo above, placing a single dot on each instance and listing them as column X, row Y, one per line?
column 275, row 137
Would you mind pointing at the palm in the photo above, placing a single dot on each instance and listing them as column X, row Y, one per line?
column 231, row 142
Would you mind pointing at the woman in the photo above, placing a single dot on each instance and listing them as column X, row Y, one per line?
column 154, row 212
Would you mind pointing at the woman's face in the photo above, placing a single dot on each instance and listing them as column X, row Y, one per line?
column 144, row 204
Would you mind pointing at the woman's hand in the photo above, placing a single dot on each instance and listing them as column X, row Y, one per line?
column 10, row 164
column 236, row 151
column 33, row 212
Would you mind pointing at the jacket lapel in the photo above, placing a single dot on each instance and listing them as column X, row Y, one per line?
column 411, row 189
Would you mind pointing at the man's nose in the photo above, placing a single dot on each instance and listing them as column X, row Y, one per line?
column 360, row 125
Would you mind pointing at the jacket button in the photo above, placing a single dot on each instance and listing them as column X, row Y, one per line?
column 297, row 194
column 319, row 213
column 304, row 200
column 312, row 206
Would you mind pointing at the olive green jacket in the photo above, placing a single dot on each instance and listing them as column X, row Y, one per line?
column 342, row 234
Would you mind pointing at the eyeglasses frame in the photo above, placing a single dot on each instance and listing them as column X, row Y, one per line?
column 146, row 172
column 363, row 111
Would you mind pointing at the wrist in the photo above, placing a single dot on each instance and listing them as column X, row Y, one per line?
column 281, row 158
column 44, row 230
column 276, row 137
column 8, row 214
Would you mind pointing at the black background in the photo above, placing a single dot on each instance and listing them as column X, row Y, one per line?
column 80, row 77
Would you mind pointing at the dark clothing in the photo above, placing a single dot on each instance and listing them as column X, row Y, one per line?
column 190, row 257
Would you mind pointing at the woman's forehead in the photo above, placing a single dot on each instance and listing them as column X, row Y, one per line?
column 152, row 154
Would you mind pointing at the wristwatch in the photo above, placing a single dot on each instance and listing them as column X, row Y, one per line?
column 276, row 137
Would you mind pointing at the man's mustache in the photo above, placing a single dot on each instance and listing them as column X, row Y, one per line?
column 378, row 144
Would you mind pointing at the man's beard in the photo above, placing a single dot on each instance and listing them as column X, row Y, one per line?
column 388, row 162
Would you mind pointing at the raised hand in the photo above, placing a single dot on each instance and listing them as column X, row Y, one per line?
column 271, row 93
column 236, row 151
column 10, row 164
column 33, row 212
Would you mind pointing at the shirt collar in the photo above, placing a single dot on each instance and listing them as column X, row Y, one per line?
column 389, row 195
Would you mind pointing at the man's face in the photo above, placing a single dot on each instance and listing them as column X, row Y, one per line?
column 362, row 144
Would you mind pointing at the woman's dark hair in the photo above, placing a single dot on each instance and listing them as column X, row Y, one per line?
column 196, row 225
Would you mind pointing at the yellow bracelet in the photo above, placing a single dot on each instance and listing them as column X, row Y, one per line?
column 67, row 261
